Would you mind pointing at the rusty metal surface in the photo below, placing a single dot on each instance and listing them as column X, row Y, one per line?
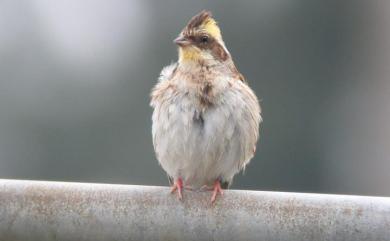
column 33, row 210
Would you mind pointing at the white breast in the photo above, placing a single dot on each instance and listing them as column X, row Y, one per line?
column 201, row 145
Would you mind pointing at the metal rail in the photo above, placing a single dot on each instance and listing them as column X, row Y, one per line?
column 35, row 210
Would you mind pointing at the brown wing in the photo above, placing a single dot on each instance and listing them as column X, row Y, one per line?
column 235, row 71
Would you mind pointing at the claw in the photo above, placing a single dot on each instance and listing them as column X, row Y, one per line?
column 217, row 189
column 178, row 186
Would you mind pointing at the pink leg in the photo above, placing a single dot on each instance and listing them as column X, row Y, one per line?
column 217, row 189
column 178, row 186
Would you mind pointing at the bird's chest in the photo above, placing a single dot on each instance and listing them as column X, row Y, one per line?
column 196, row 108
column 198, row 119
column 192, row 136
column 197, row 137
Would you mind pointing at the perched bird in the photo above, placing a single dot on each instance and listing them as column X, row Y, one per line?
column 206, row 118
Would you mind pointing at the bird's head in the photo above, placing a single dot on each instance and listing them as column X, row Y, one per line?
column 201, row 40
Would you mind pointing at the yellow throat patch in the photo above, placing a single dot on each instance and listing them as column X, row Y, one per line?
column 189, row 54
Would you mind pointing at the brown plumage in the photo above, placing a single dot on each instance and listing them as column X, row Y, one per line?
column 198, row 19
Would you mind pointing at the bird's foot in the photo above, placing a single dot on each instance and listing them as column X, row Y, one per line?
column 178, row 187
column 216, row 190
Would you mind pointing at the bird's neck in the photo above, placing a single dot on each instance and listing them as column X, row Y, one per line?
column 199, row 67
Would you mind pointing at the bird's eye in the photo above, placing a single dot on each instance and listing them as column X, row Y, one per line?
column 204, row 39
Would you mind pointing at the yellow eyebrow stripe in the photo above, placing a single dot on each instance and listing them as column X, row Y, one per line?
column 211, row 27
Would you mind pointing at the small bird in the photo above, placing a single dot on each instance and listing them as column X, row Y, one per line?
column 206, row 118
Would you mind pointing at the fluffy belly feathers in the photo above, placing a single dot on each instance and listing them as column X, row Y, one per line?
column 203, row 144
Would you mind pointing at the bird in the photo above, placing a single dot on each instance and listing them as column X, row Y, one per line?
column 206, row 118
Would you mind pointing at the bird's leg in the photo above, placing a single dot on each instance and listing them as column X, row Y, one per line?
column 217, row 189
column 178, row 186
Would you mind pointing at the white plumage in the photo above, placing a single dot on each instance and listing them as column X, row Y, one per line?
column 199, row 142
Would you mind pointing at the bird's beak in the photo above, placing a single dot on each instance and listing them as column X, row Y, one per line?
column 181, row 41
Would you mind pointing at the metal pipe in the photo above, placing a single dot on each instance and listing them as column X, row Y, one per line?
column 36, row 210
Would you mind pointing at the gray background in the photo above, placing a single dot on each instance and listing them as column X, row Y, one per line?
column 75, row 78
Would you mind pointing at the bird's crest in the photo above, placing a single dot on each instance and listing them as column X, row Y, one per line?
column 204, row 21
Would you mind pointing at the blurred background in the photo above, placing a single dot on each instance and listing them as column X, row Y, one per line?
column 75, row 78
